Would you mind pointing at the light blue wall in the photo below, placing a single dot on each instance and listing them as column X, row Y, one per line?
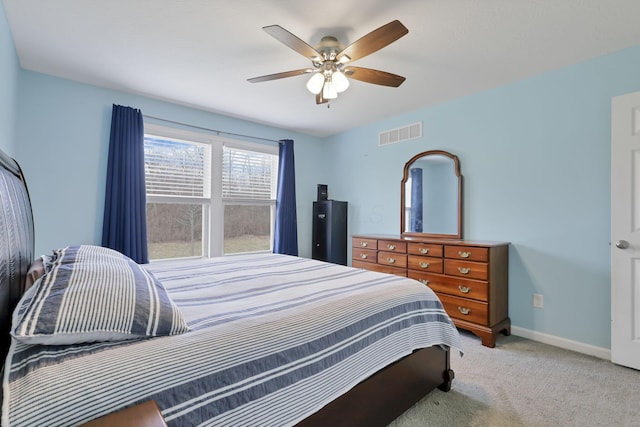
column 9, row 69
column 535, row 156
column 63, row 138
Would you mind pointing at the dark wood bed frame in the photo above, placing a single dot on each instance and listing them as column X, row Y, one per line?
column 376, row 401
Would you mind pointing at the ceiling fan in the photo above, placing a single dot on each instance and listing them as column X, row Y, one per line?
column 330, row 60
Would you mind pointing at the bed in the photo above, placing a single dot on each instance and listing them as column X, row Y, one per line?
column 254, row 339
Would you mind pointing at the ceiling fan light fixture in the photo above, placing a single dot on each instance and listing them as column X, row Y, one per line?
column 329, row 90
column 340, row 81
column 315, row 83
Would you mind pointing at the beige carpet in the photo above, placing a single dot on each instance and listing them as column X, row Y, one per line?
column 526, row 383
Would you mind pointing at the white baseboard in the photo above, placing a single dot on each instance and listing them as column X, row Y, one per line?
column 602, row 353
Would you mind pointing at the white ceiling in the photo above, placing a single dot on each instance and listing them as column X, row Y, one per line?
column 200, row 53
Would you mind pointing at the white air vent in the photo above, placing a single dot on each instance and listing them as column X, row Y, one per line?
column 405, row 133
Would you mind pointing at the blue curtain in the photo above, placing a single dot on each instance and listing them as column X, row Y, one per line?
column 286, row 229
column 416, row 200
column 125, row 222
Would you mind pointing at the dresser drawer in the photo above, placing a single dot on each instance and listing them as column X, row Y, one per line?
column 365, row 255
column 425, row 249
column 392, row 259
column 468, row 253
column 392, row 246
column 441, row 284
column 465, row 309
column 471, row 270
column 380, row 268
column 423, row 263
column 357, row 242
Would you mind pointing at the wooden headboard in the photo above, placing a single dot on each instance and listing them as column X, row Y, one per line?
column 16, row 242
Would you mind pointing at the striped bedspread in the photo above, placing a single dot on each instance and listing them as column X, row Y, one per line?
column 274, row 338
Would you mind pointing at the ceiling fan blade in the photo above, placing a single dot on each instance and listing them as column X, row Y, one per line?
column 374, row 76
column 372, row 42
column 283, row 75
column 293, row 42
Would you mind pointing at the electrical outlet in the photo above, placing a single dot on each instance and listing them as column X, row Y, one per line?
column 538, row 300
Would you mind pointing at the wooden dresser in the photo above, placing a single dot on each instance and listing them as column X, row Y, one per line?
column 470, row 278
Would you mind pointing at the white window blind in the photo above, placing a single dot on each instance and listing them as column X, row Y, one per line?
column 247, row 174
column 176, row 168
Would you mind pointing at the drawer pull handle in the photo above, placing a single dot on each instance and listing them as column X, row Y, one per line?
column 464, row 270
column 363, row 244
column 424, row 251
column 363, row 256
column 464, row 254
column 464, row 310
column 424, row 281
column 391, row 247
column 464, row 289
column 424, row 265
column 391, row 260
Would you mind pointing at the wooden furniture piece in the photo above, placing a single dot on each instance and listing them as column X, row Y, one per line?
column 382, row 397
column 374, row 402
column 470, row 278
column 145, row 414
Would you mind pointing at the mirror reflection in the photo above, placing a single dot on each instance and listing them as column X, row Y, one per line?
column 431, row 195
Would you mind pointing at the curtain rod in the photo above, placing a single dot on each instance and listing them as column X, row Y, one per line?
column 209, row 129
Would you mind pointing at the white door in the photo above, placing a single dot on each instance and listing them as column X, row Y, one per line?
column 625, row 230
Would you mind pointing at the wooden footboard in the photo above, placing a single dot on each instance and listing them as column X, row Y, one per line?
column 384, row 396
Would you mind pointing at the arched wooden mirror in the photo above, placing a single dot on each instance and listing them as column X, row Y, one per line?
column 431, row 196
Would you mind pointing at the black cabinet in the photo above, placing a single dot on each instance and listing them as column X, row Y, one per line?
column 330, row 231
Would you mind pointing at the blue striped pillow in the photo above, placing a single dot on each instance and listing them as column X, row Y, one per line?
column 91, row 293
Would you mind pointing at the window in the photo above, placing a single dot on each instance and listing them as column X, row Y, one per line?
column 206, row 195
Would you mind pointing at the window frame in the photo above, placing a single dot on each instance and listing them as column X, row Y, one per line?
column 213, row 205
